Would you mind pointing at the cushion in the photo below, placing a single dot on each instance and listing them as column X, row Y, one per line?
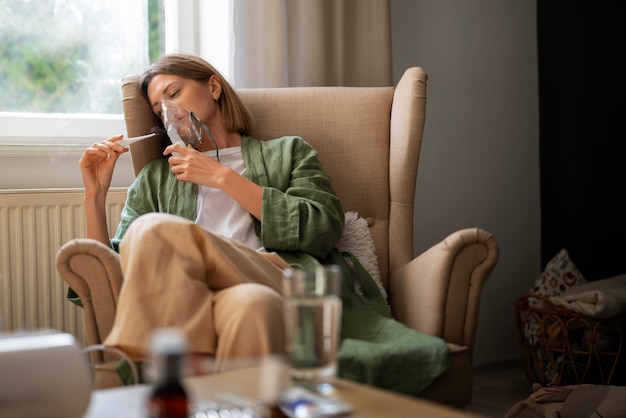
column 356, row 239
column 559, row 275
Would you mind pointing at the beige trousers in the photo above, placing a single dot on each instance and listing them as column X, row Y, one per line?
column 224, row 296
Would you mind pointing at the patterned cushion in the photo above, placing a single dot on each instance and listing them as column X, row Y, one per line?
column 560, row 274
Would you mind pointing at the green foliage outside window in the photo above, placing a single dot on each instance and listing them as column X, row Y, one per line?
column 42, row 69
column 51, row 59
column 156, row 42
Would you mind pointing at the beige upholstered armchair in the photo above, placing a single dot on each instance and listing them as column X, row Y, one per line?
column 369, row 140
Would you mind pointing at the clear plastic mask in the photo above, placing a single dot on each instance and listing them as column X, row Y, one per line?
column 181, row 125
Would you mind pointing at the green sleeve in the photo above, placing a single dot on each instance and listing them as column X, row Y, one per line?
column 300, row 210
column 156, row 189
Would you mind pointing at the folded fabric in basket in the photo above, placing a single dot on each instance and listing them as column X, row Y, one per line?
column 598, row 299
column 576, row 401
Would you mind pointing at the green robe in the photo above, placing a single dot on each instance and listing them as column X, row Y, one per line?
column 302, row 220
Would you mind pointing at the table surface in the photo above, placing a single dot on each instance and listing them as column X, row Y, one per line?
column 252, row 383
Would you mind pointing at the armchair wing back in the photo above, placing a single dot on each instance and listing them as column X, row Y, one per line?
column 369, row 139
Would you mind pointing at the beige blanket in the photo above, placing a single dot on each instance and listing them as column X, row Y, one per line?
column 598, row 299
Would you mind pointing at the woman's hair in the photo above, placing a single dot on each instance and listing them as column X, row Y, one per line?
column 235, row 114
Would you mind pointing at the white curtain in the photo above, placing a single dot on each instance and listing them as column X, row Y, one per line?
column 287, row 43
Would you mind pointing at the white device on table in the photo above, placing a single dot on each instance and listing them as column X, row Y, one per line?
column 43, row 374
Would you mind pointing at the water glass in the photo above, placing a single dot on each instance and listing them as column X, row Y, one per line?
column 313, row 325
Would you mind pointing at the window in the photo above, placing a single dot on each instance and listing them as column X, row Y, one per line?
column 61, row 66
column 67, row 56
column 61, row 63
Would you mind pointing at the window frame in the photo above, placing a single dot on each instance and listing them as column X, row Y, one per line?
column 42, row 134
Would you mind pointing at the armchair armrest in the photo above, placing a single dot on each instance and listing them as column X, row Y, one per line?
column 438, row 292
column 93, row 271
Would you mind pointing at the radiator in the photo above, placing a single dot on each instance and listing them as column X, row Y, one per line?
column 33, row 226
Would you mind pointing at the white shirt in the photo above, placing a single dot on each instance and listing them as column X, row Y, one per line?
column 221, row 214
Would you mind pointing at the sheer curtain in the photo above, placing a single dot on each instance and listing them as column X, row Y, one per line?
column 286, row 43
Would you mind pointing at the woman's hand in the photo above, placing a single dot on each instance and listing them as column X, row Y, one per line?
column 96, row 168
column 193, row 166
column 97, row 164
column 190, row 165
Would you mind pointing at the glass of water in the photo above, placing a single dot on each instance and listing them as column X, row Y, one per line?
column 313, row 325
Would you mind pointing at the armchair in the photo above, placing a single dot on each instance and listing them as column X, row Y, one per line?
column 369, row 140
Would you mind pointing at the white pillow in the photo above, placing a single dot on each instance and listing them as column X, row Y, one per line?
column 357, row 240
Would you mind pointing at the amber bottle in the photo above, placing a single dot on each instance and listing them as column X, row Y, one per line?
column 168, row 398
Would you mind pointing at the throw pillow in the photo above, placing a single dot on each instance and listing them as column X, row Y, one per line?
column 559, row 275
column 356, row 239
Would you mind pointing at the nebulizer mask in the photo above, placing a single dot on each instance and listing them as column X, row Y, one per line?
column 183, row 126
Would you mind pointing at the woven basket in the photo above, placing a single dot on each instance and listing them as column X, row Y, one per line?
column 563, row 347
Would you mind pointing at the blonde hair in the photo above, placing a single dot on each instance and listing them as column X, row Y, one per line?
column 235, row 114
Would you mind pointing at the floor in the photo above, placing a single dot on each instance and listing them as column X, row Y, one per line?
column 497, row 389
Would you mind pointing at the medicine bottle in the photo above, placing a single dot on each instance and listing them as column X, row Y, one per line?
column 168, row 398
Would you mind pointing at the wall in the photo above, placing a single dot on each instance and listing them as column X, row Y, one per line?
column 479, row 164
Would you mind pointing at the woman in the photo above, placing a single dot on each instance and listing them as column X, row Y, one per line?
column 204, row 237
column 203, row 242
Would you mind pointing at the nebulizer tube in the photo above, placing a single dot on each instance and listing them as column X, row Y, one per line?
column 208, row 131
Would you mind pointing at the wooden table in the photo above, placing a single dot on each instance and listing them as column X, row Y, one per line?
column 367, row 401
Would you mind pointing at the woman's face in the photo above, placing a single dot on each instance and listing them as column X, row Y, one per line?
column 196, row 96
